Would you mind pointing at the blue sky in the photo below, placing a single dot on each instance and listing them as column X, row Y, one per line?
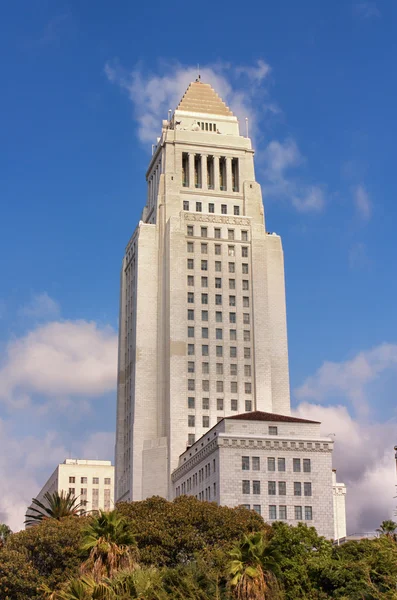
column 84, row 89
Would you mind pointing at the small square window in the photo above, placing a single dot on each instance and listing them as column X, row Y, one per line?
column 190, row 349
column 233, row 351
column 281, row 464
column 297, row 488
column 206, row 403
column 233, row 369
column 190, row 230
column 218, row 266
column 204, row 265
column 236, row 210
column 204, row 232
column 244, row 251
column 282, row 512
column 218, row 299
column 72, row 479
column 224, row 209
column 246, row 486
column 273, row 430
column 219, row 404
column 272, row 512
column 190, row 420
column 219, row 351
column 204, row 315
column 190, row 246
column 83, row 479
column 217, row 233
column 190, row 263
column 204, row 332
column 218, row 282
column 206, row 421
column 185, row 205
column 190, row 366
column 282, row 488
column 233, row 404
column 298, row 513
column 245, row 463
column 256, row 487
column 198, row 206
column 248, row 405
column 204, row 248
column 211, row 207
column 271, row 464
column 244, row 268
column 204, row 298
column 233, row 387
column 190, row 332
column 190, row 402
column 204, row 282
column 205, row 368
column 256, row 462
column 205, row 385
column 190, row 314
column 190, row 297
column 296, row 465
column 271, row 488
column 218, row 249
column 218, row 316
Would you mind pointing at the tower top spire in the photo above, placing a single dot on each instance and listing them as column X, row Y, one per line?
column 202, row 98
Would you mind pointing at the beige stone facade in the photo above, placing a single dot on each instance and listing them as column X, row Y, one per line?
column 202, row 308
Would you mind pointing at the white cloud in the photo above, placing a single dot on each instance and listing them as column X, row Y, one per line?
column 350, row 378
column 59, row 360
column 362, row 202
column 26, row 464
column 364, row 459
column 278, row 158
column 40, row 307
column 153, row 95
column 367, row 10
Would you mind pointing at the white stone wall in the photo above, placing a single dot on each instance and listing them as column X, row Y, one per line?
column 339, row 504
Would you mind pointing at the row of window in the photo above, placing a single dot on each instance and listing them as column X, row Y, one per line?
column 205, row 404
column 218, row 299
column 218, row 316
column 196, row 479
column 218, row 333
column 205, row 419
column 217, row 233
column 218, row 252
column 205, row 386
column 95, row 480
column 253, row 462
column 195, row 178
column 272, row 487
column 299, row 512
column 219, row 368
column 217, row 281
column 218, row 351
column 211, row 208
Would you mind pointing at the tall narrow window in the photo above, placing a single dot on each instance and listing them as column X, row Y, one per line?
column 210, row 173
column 235, row 174
column 197, row 170
column 185, row 169
column 222, row 173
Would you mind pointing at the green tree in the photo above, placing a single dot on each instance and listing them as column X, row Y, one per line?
column 5, row 533
column 19, row 580
column 171, row 533
column 253, row 568
column 56, row 506
column 110, row 543
column 388, row 528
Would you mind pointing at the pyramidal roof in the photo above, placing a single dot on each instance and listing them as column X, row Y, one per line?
column 202, row 98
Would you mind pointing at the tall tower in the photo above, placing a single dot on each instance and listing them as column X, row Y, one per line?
column 202, row 304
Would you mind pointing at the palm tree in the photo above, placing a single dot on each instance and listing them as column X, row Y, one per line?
column 110, row 543
column 253, row 568
column 5, row 532
column 55, row 506
column 388, row 528
column 84, row 588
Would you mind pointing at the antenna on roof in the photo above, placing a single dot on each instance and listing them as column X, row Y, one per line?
column 198, row 72
column 246, row 126
column 169, row 114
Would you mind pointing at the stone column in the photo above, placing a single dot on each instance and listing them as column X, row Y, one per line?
column 191, row 170
column 229, row 186
column 216, row 173
column 204, row 171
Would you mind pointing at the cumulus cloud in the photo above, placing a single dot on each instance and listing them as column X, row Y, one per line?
column 362, row 202
column 350, row 379
column 41, row 306
column 153, row 95
column 364, row 459
column 59, row 360
column 278, row 159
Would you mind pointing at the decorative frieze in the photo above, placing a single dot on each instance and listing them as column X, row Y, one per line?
column 227, row 220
